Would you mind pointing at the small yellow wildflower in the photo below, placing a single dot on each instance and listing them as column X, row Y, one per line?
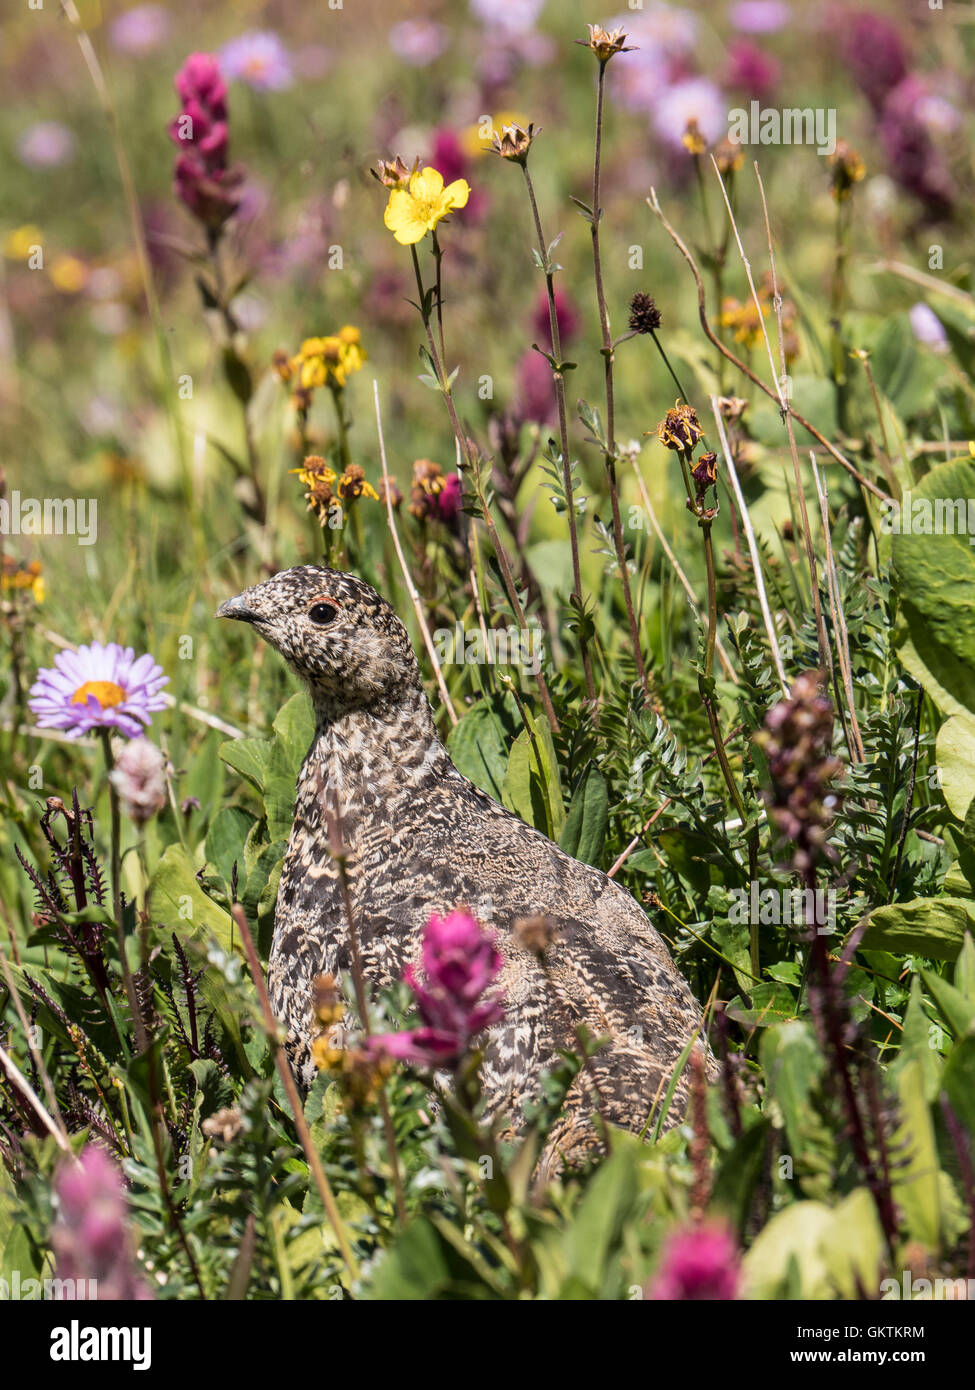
column 692, row 139
column 847, row 168
column 29, row 577
column 18, row 245
column 352, row 485
column 743, row 320
column 68, row 274
column 411, row 213
column 318, row 478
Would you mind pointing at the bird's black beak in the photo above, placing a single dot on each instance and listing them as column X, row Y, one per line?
column 237, row 608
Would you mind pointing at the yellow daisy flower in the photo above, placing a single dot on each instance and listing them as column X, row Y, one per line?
column 414, row 211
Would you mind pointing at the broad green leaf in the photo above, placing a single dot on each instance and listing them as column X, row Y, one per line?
column 959, row 1082
column 179, row 904
column 932, row 927
column 954, row 1008
column 955, row 757
column 584, row 831
column 917, row 1044
column 853, row 1246
column 936, row 573
column 793, row 1066
column 965, row 969
column 479, row 742
column 531, row 790
column 294, row 728
column 248, row 756
column 739, row 1171
column 915, row 1176
column 226, row 839
column 793, row 1237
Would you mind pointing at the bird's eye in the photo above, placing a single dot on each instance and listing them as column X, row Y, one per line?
column 323, row 613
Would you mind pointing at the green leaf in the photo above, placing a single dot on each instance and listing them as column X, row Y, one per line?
column 479, row 742
column 954, row 1008
column 955, row 759
column 423, row 1266
column 793, row 1066
column 584, row 831
column 915, row 1177
column 936, row 573
column 248, row 756
column 916, row 1044
column 959, row 1082
column 226, row 839
column 531, row 785
column 179, row 904
column 739, row 1171
column 932, row 927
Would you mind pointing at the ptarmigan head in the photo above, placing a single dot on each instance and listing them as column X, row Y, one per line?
column 335, row 632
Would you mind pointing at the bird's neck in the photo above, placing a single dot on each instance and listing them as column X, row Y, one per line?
column 364, row 763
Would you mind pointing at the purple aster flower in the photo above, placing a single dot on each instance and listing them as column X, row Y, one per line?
column 260, row 59
column 98, row 687
column 928, row 328
column 45, row 145
column 513, row 16
column 759, row 16
column 695, row 99
column 140, row 30
column 700, row 1263
column 418, row 41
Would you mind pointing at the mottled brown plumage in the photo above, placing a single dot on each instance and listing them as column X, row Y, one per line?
column 421, row 839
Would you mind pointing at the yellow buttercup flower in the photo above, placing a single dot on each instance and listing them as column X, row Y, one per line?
column 414, row 211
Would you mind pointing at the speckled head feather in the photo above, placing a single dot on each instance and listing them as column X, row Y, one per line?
column 335, row 632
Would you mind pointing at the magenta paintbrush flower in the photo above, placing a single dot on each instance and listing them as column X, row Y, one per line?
column 98, row 687
column 460, row 964
column 202, row 178
column 90, row 1238
column 700, row 1263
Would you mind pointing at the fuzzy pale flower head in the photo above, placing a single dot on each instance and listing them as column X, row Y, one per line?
column 412, row 212
column 139, row 777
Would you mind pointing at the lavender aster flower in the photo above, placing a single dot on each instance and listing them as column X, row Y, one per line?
column 509, row 16
column 928, row 328
column 98, row 687
column 759, row 16
column 45, row 145
column 418, row 41
column 260, row 59
column 140, row 30
column 696, row 99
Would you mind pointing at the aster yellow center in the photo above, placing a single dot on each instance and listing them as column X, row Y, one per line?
column 107, row 693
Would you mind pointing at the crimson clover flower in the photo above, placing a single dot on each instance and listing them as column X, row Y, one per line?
column 700, row 1263
column 460, row 964
column 98, row 687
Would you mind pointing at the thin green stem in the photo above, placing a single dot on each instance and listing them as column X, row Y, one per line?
column 607, row 353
